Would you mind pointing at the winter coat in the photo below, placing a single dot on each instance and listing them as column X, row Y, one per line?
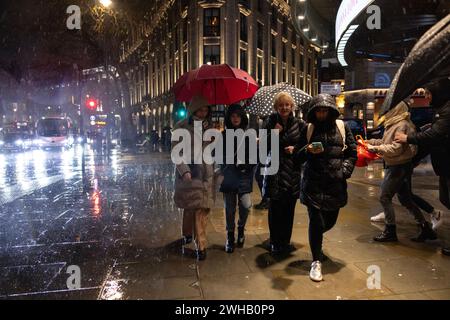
column 237, row 178
column 287, row 180
column 437, row 140
column 324, row 184
column 197, row 193
column 394, row 153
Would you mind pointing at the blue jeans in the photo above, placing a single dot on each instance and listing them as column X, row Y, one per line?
column 397, row 180
column 245, row 203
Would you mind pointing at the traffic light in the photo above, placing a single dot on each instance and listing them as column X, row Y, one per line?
column 91, row 104
column 180, row 112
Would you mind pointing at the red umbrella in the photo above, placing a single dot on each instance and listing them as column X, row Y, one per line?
column 219, row 84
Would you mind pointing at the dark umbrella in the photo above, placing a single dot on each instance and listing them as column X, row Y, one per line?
column 263, row 101
column 428, row 60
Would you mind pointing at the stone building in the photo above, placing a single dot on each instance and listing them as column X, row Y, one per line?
column 257, row 36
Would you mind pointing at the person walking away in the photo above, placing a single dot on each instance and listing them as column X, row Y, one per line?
column 283, row 188
column 237, row 183
column 398, row 171
column 437, row 138
column 193, row 182
column 329, row 161
column 435, row 215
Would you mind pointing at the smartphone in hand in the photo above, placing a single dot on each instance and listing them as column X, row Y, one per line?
column 317, row 147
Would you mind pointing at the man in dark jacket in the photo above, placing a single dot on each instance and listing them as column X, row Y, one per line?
column 237, row 184
column 437, row 138
column 283, row 188
column 329, row 161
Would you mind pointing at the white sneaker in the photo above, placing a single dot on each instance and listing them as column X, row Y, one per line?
column 316, row 271
column 436, row 219
column 378, row 218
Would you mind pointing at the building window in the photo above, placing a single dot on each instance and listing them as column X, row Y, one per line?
column 244, row 28
column 274, row 73
column 260, row 35
column 185, row 61
column 293, row 79
column 274, row 46
column 185, row 31
column 260, row 5
column 284, row 74
column 259, row 66
column 211, row 23
column 284, row 54
column 274, row 18
column 309, row 69
column 211, row 54
column 302, row 63
column 293, row 57
column 245, row 3
column 244, row 60
column 285, row 28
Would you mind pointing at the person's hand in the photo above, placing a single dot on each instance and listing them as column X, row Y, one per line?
column 187, row 176
column 372, row 148
column 289, row 150
column 312, row 150
column 279, row 127
column 401, row 138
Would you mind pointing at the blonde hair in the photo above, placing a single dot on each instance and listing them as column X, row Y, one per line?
column 283, row 97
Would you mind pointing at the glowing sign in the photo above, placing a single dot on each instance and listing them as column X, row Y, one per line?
column 347, row 12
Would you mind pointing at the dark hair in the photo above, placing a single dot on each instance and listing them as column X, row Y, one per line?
column 238, row 109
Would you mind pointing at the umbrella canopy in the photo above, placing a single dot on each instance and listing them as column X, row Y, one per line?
column 263, row 101
column 219, row 84
column 428, row 60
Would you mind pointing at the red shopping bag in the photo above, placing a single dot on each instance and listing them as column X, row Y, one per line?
column 364, row 155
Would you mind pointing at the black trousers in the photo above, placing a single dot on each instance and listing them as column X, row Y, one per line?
column 281, row 220
column 319, row 222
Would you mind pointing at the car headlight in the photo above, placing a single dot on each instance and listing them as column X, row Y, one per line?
column 80, row 139
column 19, row 142
column 2, row 143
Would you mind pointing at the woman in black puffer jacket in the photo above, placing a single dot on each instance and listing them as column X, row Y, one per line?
column 237, row 184
column 324, row 185
column 283, row 188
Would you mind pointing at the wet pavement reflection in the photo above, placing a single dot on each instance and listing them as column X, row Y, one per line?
column 114, row 218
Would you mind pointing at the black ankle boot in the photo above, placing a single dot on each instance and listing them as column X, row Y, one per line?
column 388, row 235
column 241, row 237
column 201, row 255
column 229, row 246
column 446, row 251
column 426, row 233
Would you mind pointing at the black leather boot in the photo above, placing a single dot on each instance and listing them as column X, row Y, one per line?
column 426, row 233
column 201, row 255
column 388, row 235
column 241, row 237
column 446, row 251
column 229, row 245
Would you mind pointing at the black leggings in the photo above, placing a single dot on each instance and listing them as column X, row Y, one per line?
column 319, row 222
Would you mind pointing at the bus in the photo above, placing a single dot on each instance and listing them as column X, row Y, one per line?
column 54, row 133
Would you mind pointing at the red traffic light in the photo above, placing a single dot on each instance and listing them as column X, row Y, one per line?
column 91, row 104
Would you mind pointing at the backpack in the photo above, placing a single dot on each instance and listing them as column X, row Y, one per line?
column 341, row 127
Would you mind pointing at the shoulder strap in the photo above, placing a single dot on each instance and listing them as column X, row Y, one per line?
column 309, row 132
column 341, row 126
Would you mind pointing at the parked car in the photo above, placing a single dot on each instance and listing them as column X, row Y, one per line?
column 14, row 141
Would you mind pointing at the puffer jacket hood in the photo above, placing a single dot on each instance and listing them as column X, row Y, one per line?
column 235, row 108
column 322, row 101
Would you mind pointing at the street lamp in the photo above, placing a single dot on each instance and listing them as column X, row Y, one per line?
column 105, row 3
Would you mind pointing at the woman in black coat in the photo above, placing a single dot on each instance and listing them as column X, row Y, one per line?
column 283, row 188
column 237, row 184
column 326, row 169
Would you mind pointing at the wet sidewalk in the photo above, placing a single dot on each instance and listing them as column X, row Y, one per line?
column 123, row 234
